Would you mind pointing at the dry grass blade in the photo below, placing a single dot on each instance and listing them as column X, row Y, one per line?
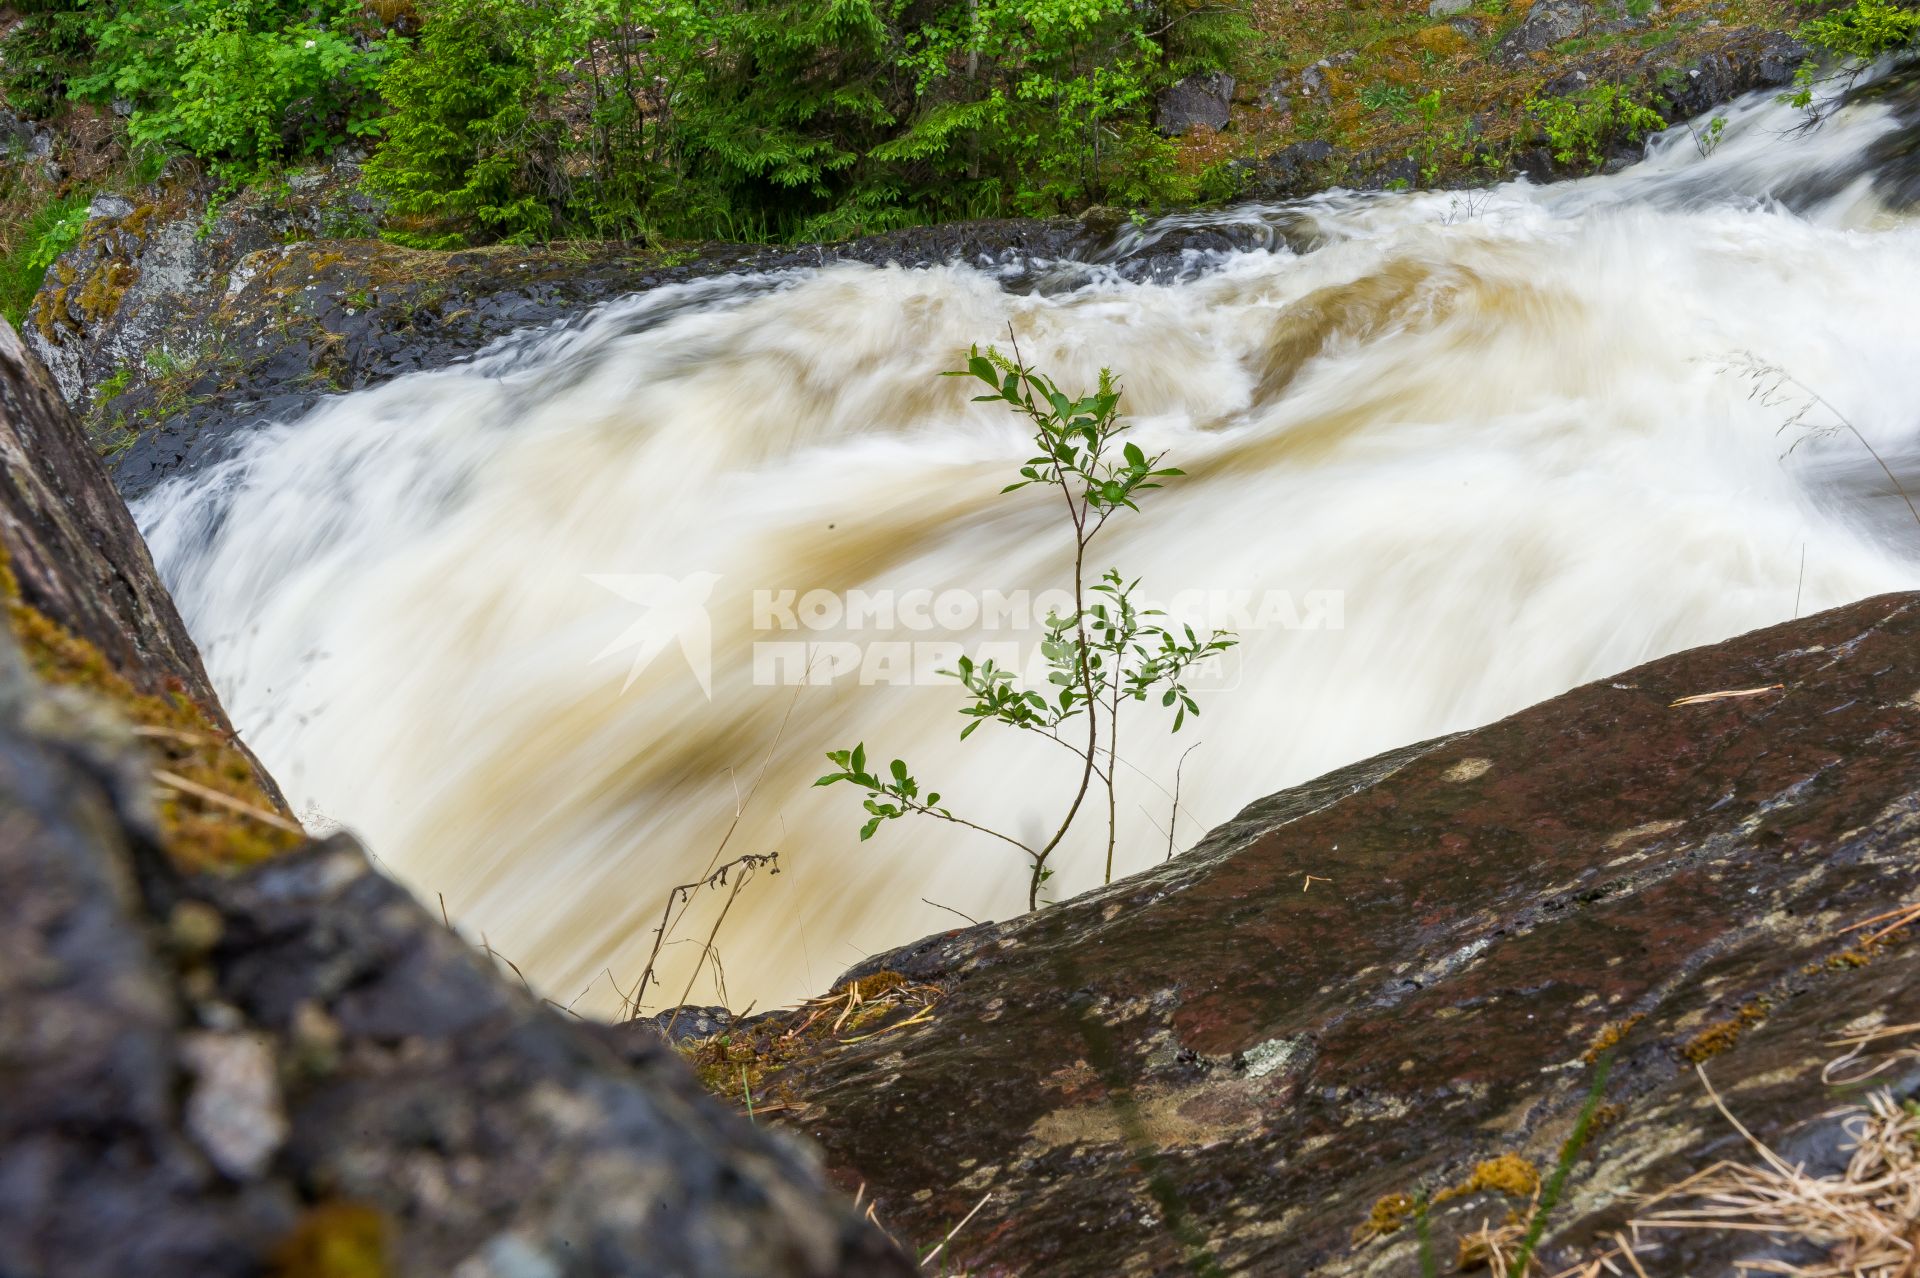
column 1843, row 1072
column 875, row 999
column 1730, row 695
column 1619, row 1249
column 1495, row 1248
column 173, row 781
column 1866, row 1218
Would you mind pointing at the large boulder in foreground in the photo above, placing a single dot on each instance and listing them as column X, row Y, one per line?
column 227, row 1051
column 1399, row 980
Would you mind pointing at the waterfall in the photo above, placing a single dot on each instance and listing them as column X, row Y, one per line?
column 528, row 625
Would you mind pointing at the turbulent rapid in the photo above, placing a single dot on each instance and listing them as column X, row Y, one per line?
column 517, row 623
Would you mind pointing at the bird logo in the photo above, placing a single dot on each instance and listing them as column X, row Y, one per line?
column 676, row 609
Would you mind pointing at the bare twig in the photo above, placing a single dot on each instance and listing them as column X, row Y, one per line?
column 1173, row 817
column 949, row 909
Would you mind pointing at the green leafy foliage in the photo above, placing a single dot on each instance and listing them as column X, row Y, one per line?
column 243, row 84
column 41, row 55
column 1856, row 32
column 1863, row 29
column 757, row 119
column 780, row 119
column 475, row 144
column 1108, row 653
column 35, row 244
column 1584, row 128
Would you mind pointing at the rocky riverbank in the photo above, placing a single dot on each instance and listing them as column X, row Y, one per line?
column 234, row 1051
column 1396, row 984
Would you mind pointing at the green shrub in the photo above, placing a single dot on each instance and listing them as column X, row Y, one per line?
column 1106, row 654
column 1581, row 130
column 783, row 119
column 1862, row 29
column 42, row 55
column 472, row 143
column 243, row 84
column 1042, row 105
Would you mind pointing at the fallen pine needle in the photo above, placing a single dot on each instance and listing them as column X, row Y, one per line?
column 941, row 1245
column 1902, row 917
column 920, row 1017
column 1704, row 697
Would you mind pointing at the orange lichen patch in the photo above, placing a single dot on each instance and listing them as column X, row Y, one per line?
column 212, row 811
column 1507, row 1174
column 1389, row 1214
column 336, row 1240
column 1609, row 1037
column 1720, row 1037
column 871, row 986
column 96, row 295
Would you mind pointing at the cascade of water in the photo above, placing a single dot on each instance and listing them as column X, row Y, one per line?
column 1447, row 455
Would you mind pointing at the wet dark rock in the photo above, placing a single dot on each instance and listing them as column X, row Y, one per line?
column 685, row 1024
column 1291, row 172
column 1225, row 1061
column 98, row 1174
column 296, row 1069
column 1399, row 174
column 73, row 549
column 1893, row 160
column 1678, row 85
column 1549, row 22
column 1754, row 60
column 1201, row 100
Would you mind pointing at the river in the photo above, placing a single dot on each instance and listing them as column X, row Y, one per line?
column 527, row 625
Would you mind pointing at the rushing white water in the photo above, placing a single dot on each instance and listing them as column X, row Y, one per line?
column 1500, row 426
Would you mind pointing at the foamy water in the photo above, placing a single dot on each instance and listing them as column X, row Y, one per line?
column 1478, row 449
